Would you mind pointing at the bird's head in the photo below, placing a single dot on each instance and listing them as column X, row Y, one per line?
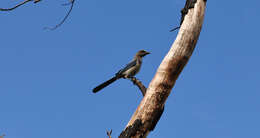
column 142, row 53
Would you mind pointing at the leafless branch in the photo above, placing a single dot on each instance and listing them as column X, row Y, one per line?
column 18, row 5
column 71, row 3
column 139, row 84
column 36, row 1
column 175, row 29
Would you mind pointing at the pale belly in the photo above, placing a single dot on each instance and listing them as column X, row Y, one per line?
column 132, row 71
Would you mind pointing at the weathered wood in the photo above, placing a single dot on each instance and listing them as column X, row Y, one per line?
column 150, row 109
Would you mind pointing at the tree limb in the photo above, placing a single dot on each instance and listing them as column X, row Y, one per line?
column 71, row 3
column 36, row 1
column 18, row 5
column 139, row 84
column 150, row 109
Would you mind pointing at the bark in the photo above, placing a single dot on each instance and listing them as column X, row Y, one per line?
column 139, row 84
column 151, row 107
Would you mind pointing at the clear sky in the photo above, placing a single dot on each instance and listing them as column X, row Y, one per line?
column 46, row 77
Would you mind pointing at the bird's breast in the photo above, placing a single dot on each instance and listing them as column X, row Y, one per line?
column 132, row 71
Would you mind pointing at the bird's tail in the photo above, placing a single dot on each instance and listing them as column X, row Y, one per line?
column 103, row 85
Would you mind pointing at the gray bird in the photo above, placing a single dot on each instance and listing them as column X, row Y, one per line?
column 130, row 70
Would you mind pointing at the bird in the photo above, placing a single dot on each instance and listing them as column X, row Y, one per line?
column 129, row 71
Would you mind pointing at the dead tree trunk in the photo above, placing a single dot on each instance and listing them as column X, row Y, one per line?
column 151, row 107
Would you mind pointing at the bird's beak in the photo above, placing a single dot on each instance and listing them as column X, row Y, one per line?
column 147, row 53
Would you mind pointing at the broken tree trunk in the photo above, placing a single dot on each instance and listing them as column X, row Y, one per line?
column 151, row 107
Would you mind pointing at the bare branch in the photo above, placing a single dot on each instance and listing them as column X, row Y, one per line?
column 139, row 84
column 151, row 107
column 18, row 5
column 71, row 3
column 36, row 1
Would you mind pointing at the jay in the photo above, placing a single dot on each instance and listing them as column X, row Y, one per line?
column 129, row 71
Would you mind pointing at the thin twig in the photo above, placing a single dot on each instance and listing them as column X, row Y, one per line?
column 18, row 5
column 64, row 19
column 139, row 84
column 175, row 29
column 35, row 1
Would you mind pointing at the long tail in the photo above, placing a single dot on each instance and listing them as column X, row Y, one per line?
column 103, row 85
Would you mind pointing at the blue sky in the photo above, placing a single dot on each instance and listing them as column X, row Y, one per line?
column 46, row 77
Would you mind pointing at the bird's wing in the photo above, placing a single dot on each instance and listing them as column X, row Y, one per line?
column 127, row 67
